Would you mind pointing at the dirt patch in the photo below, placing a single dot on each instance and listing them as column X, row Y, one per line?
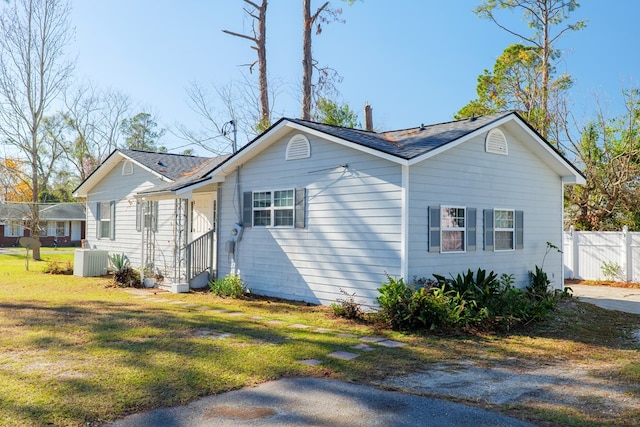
column 239, row 412
column 579, row 386
column 634, row 285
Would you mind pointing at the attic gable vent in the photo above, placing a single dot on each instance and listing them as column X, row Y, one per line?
column 127, row 167
column 496, row 142
column 298, row 148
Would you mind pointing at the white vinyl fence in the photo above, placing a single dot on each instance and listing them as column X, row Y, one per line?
column 602, row 255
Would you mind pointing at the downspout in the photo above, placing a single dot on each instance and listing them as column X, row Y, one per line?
column 141, row 219
column 404, row 224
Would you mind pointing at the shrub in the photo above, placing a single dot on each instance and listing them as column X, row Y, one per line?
column 123, row 274
column 229, row 286
column 469, row 300
column 347, row 307
column 395, row 302
column 119, row 261
column 59, row 267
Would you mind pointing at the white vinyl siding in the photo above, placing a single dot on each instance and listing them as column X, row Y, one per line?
column 484, row 181
column 121, row 189
column 350, row 236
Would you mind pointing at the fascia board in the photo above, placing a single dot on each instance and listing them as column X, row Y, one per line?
column 105, row 168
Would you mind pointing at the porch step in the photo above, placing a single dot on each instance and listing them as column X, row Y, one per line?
column 176, row 288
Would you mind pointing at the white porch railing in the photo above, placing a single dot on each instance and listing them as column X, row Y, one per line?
column 199, row 255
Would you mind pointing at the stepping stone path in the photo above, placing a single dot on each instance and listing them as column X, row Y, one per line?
column 341, row 355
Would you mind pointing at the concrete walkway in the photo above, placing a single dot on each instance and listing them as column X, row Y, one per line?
column 318, row 402
column 311, row 401
column 608, row 297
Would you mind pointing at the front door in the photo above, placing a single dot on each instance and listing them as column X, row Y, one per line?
column 203, row 215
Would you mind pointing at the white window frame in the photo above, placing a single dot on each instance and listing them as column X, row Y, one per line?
column 272, row 209
column 13, row 229
column 105, row 217
column 447, row 227
column 502, row 229
column 61, row 228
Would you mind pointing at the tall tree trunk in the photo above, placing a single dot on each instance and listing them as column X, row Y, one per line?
column 259, row 38
column 265, row 120
column 307, row 60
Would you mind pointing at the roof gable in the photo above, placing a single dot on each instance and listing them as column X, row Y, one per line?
column 166, row 166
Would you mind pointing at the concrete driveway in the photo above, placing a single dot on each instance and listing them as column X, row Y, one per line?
column 611, row 298
column 317, row 402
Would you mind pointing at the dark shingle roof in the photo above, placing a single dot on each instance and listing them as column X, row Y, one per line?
column 172, row 166
column 48, row 212
column 197, row 175
column 407, row 143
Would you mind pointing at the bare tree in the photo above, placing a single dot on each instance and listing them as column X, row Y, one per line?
column 92, row 121
column 33, row 73
column 240, row 103
column 327, row 76
column 258, row 12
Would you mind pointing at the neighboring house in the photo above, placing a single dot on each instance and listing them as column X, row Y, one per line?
column 60, row 223
column 306, row 210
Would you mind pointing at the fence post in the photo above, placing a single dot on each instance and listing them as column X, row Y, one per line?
column 626, row 265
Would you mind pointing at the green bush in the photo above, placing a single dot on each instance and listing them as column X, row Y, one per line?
column 347, row 307
column 229, row 286
column 123, row 274
column 469, row 300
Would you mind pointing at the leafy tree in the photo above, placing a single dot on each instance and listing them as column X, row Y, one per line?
column 141, row 134
column 14, row 181
column 331, row 113
column 515, row 84
column 33, row 72
column 547, row 20
column 609, row 153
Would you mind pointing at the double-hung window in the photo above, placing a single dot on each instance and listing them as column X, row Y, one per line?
column 273, row 208
column 504, row 229
column 452, row 229
column 13, row 229
column 277, row 208
column 105, row 220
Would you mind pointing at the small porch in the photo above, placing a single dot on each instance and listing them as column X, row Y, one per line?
column 189, row 260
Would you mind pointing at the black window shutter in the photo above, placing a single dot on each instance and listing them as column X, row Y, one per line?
column 471, row 229
column 247, row 209
column 300, row 207
column 434, row 229
column 488, row 229
column 98, row 220
column 519, row 229
column 112, row 234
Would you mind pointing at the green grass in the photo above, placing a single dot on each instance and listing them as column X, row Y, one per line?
column 77, row 351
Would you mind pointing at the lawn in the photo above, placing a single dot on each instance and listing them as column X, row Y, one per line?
column 78, row 351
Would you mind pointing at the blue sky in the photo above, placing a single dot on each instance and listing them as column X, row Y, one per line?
column 413, row 61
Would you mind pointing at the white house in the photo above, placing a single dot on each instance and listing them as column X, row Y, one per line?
column 307, row 209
